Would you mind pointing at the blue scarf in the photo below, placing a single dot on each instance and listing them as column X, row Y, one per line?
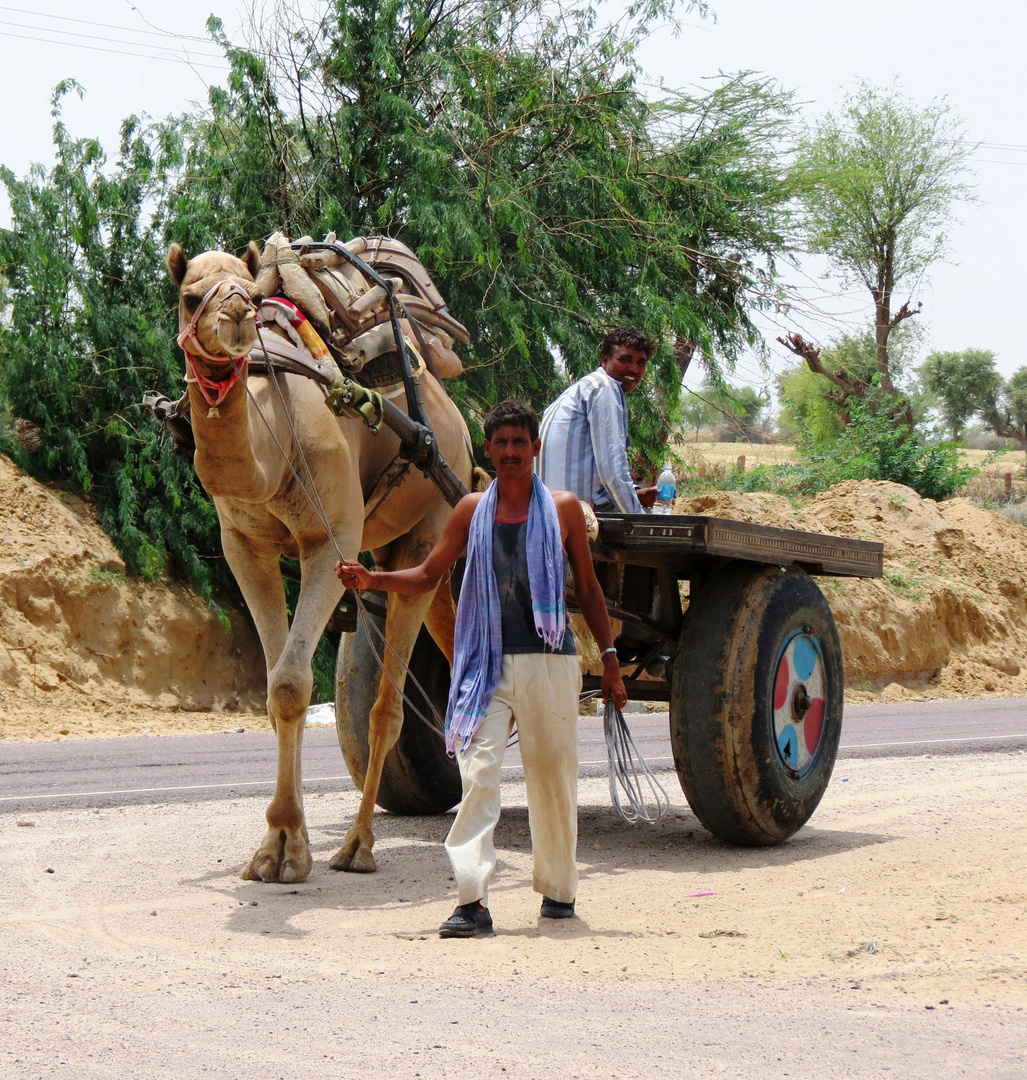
column 478, row 644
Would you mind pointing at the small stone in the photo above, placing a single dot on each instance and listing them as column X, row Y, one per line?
column 49, row 870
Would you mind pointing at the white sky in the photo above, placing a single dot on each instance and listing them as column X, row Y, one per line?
column 816, row 47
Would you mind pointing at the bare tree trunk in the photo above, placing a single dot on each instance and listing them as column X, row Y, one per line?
column 849, row 386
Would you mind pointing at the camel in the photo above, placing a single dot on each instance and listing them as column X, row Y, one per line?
column 264, row 514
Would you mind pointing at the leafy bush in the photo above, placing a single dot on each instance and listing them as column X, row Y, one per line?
column 872, row 447
column 87, row 325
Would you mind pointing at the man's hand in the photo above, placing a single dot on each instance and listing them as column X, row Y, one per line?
column 353, row 575
column 647, row 496
column 613, row 683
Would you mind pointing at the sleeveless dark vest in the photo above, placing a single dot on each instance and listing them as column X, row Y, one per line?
column 510, row 565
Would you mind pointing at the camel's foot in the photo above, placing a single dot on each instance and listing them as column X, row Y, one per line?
column 283, row 856
column 355, row 853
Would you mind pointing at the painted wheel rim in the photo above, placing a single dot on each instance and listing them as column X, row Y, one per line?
column 800, row 685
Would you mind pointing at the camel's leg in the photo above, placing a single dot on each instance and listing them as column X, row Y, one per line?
column 403, row 623
column 284, row 854
column 441, row 618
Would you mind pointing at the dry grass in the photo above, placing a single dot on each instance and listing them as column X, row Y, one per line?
column 989, row 488
column 1010, row 462
column 726, row 454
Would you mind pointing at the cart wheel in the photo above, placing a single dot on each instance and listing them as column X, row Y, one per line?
column 756, row 703
column 418, row 777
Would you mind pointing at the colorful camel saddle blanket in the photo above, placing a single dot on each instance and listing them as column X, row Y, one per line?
column 350, row 314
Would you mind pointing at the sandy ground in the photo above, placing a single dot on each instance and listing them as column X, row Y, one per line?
column 888, row 938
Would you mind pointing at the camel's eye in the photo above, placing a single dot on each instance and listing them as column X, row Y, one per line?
column 191, row 303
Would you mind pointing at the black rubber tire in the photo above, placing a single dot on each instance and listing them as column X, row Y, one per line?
column 418, row 776
column 722, row 703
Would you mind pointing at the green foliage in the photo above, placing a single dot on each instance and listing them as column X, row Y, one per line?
column 509, row 145
column 86, row 329
column 908, row 586
column 872, row 447
column 876, row 183
column 963, row 382
column 1006, row 412
column 805, row 410
column 98, row 573
column 734, row 409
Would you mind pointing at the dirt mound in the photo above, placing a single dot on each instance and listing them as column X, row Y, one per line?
column 79, row 641
column 949, row 618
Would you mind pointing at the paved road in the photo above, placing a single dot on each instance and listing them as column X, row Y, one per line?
column 118, row 772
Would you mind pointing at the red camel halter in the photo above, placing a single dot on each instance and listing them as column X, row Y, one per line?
column 214, row 391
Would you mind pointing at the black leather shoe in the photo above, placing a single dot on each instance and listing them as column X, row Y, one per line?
column 469, row 920
column 556, row 909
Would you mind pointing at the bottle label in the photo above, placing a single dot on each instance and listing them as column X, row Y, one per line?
column 666, row 492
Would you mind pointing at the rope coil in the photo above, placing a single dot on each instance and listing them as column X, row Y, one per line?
column 629, row 773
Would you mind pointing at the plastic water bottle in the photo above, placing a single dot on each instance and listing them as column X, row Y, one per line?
column 666, row 489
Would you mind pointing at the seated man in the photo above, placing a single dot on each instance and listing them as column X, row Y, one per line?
column 584, row 432
column 584, row 436
column 514, row 663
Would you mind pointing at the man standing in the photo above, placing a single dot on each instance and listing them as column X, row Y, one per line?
column 584, row 432
column 514, row 664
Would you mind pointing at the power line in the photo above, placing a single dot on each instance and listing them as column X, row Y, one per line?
column 116, row 52
column 94, row 37
column 106, row 26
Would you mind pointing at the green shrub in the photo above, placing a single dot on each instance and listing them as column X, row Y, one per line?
column 872, row 447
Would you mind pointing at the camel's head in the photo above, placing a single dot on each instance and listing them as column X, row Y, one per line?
column 216, row 299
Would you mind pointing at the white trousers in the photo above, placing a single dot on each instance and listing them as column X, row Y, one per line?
column 537, row 692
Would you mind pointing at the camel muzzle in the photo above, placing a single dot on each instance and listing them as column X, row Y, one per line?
column 234, row 324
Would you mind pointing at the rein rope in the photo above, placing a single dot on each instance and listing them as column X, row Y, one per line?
column 630, row 774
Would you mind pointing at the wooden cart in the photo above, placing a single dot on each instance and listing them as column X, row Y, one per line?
column 754, row 678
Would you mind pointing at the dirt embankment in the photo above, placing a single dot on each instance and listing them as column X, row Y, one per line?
column 83, row 649
column 949, row 618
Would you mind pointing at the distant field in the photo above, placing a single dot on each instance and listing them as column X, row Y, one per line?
column 990, row 484
column 726, row 452
column 780, row 454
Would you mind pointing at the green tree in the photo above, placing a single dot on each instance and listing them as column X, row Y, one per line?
column 86, row 328
column 737, row 411
column 1006, row 412
column 804, row 409
column 876, row 184
column 510, row 146
column 963, row 382
column 807, row 409
column 507, row 142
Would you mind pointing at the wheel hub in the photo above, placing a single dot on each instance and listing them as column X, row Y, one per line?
column 800, row 685
column 801, row 702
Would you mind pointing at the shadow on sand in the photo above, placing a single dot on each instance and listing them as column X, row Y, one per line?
column 414, row 871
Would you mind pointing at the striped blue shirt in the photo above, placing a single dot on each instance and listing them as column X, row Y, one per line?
column 584, row 435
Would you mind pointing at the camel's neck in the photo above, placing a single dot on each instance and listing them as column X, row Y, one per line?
column 229, row 458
